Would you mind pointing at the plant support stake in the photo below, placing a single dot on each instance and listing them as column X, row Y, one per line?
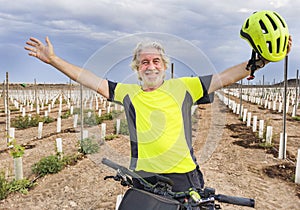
column 284, row 107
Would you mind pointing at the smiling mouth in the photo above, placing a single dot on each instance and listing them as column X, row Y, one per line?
column 149, row 72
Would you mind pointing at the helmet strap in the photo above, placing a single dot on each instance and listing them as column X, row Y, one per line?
column 253, row 64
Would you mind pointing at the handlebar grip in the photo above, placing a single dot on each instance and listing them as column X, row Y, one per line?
column 116, row 167
column 236, row 200
column 110, row 163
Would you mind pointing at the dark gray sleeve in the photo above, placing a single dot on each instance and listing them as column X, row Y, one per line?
column 206, row 98
column 112, row 87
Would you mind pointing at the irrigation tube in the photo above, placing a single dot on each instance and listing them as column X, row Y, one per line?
column 284, row 107
column 241, row 97
column 81, row 114
column 7, row 109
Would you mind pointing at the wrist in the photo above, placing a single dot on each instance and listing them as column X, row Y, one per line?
column 264, row 61
column 53, row 60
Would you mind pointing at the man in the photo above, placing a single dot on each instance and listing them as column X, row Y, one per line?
column 158, row 111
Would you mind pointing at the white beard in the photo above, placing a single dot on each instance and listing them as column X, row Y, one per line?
column 152, row 78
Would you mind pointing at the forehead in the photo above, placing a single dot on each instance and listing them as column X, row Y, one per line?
column 149, row 53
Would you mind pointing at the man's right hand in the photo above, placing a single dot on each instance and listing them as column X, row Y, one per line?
column 37, row 49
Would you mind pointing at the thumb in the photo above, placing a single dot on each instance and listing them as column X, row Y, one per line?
column 48, row 41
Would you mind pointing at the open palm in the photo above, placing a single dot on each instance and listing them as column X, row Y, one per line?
column 37, row 49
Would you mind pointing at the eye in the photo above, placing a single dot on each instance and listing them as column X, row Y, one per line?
column 156, row 61
column 144, row 62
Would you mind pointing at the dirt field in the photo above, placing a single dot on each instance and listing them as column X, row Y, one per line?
column 231, row 160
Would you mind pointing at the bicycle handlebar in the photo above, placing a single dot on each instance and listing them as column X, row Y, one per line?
column 235, row 200
column 116, row 166
column 219, row 197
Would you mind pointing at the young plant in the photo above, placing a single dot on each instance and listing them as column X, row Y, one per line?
column 48, row 165
column 4, row 186
column 88, row 146
column 20, row 186
column 16, row 150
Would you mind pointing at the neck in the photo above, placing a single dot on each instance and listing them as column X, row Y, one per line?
column 149, row 88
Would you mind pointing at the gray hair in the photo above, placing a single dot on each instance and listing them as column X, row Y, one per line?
column 144, row 45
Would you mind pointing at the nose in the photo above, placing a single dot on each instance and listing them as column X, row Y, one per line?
column 151, row 66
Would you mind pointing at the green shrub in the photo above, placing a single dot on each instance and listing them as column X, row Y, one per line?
column 123, row 127
column 16, row 150
column 26, row 122
column 21, row 186
column 4, row 186
column 76, row 111
column 116, row 113
column 7, row 187
column 48, row 165
column 110, row 137
column 297, row 118
column 107, row 116
column 92, row 120
column 88, row 146
column 66, row 115
column 47, row 120
column 265, row 145
column 20, row 122
column 72, row 159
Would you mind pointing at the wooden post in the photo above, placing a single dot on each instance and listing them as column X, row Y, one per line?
column 59, row 145
column 297, row 91
column 103, row 131
column 7, row 109
column 75, row 121
column 281, row 152
column 172, row 70
column 81, row 112
column 261, row 129
column 284, row 105
column 254, row 127
column 40, row 130
column 58, row 124
column 269, row 134
column 241, row 95
column 35, row 97
column 118, row 126
column 18, row 168
column 297, row 174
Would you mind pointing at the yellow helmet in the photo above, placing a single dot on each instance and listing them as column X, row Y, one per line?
column 267, row 33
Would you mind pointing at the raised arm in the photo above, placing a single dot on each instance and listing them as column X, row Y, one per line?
column 228, row 77
column 46, row 54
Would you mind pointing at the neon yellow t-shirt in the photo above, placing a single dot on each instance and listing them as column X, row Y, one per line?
column 160, row 124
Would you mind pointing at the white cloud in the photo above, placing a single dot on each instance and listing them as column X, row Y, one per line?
column 79, row 27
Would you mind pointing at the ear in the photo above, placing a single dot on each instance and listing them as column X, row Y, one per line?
column 165, row 66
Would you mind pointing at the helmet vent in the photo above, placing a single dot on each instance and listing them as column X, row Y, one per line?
column 263, row 27
column 285, row 43
column 272, row 22
column 247, row 24
column 282, row 22
column 269, row 45
column 278, row 45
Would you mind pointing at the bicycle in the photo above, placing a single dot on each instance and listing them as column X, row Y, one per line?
column 160, row 195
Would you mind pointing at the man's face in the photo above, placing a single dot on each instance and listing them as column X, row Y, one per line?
column 151, row 69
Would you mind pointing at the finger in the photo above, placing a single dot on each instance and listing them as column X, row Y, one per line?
column 48, row 41
column 32, row 54
column 30, row 49
column 35, row 42
column 30, row 43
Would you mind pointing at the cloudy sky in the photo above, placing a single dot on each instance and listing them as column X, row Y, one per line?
column 92, row 34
